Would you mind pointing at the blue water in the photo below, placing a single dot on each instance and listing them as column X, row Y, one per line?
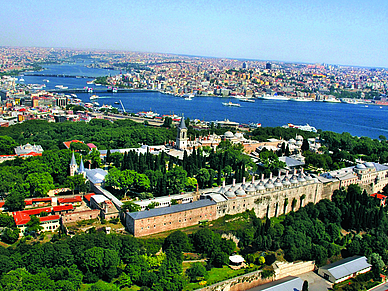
column 358, row 120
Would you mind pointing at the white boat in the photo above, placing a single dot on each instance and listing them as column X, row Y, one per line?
column 94, row 97
column 274, row 97
column 331, row 99
column 254, row 125
column 301, row 99
column 230, row 104
column 247, row 100
column 73, row 95
column 306, row 127
column 45, row 80
column 96, row 103
column 21, row 80
column 61, row 87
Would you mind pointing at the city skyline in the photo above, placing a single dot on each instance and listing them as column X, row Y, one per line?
column 343, row 32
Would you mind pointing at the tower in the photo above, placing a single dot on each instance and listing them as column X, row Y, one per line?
column 181, row 139
column 81, row 169
column 73, row 165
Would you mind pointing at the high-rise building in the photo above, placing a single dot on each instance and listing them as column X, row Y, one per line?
column 268, row 66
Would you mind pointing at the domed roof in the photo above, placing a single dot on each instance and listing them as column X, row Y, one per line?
column 239, row 135
column 230, row 194
column 286, row 181
column 250, row 188
column 294, row 179
column 301, row 178
column 278, row 183
column 240, row 192
column 269, row 184
column 229, row 134
column 369, row 165
column 260, row 186
column 360, row 166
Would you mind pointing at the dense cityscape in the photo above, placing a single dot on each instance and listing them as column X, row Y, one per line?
column 98, row 198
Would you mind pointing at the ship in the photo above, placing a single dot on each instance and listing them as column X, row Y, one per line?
column 247, row 100
column 274, row 97
column 306, row 127
column 331, row 99
column 230, row 104
column 94, row 97
column 301, row 99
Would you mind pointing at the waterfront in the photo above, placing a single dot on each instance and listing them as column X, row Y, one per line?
column 357, row 119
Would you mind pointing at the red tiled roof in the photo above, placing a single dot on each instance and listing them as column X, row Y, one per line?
column 379, row 196
column 43, row 199
column 62, row 207
column 70, row 200
column 21, row 218
column 67, row 143
column 28, row 202
column 91, row 146
column 2, row 203
column 49, row 218
column 36, row 211
column 88, row 196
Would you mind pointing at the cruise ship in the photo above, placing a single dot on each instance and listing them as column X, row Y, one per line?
column 274, row 97
column 306, row 127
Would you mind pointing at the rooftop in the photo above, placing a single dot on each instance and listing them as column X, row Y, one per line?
column 347, row 266
column 171, row 209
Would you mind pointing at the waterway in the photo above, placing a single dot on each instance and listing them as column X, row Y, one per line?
column 357, row 119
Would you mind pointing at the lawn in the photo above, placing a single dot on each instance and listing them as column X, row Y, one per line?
column 216, row 275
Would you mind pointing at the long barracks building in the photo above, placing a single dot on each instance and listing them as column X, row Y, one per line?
column 270, row 197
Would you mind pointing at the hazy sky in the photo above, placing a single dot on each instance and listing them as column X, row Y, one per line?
column 349, row 32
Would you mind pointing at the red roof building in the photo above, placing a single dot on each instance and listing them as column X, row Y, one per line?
column 62, row 208
column 88, row 196
column 76, row 199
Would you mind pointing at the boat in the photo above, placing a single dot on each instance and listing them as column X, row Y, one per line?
column 331, row 99
column 96, row 103
column 73, row 95
column 230, row 104
column 274, row 97
column 61, row 87
column 247, row 100
column 21, row 80
column 97, row 84
column 116, row 102
column 45, row 80
column 306, row 127
column 301, row 99
column 189, row 98
column 94, row 97
column 254, row 125
column 89, row 82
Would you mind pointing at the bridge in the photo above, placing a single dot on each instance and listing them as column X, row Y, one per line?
column 99, row 90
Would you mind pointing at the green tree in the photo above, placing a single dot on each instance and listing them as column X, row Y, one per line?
column 40, row 183
column 7, row 145
column 15, row 199
column 130, row 206
column 10, row 235
column 197, row 272
column 79, row 147
column 34, row 225
column 305, row 286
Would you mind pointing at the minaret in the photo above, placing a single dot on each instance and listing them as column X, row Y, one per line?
column 73, row 165
column 181, row 139
column 81, row 169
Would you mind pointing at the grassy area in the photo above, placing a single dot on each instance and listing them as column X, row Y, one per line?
column 217, row 275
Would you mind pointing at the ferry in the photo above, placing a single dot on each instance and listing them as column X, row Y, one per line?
column 94, row 97
column 301, row 99
column 254, row 125
column 61, row 87
column 148, row 114
column 306, row 127
column 331, row 99
column 247, row 100
column 74, row 95
column 46, row 80
column 274, row 97
column 230, row 104
column 89, row 82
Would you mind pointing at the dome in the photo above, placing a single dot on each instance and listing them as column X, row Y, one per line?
column 360, row 166
column 260, row 187
column 294, row 179
column 269, row 184
column 278, row 183
column 230, row 194
column 301, row 178
column 286, row 181
column 240, row 192
column 229, row 134
column 239, row 135
column 250, row 188
column 369, row 165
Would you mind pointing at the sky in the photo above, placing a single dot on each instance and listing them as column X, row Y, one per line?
column 346, row 32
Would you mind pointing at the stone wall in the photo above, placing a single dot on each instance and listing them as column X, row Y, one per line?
column 172, row 221
column 243, row 282
column 81, row 215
